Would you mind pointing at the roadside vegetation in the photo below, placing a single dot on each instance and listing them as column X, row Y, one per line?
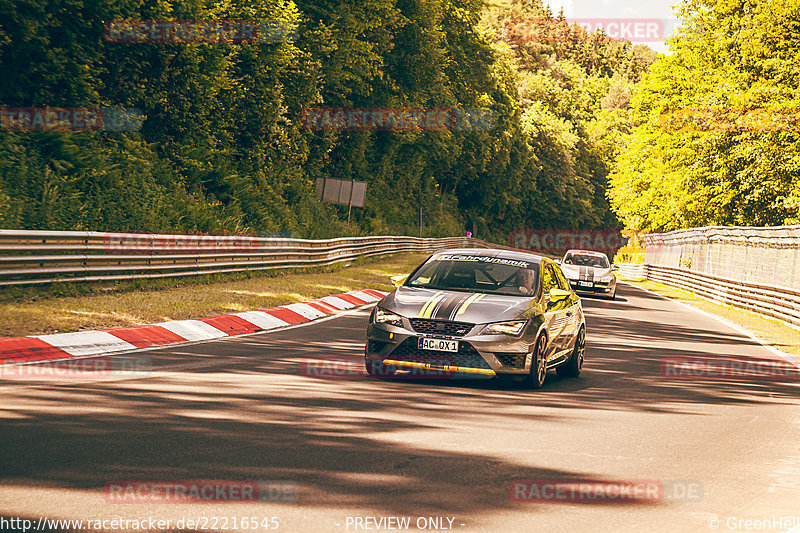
column 716, row 125
column 224, row 150
column 591, row 132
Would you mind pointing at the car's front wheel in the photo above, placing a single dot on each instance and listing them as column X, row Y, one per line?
column 572, row 368
column 538, row 373
column 379, row 370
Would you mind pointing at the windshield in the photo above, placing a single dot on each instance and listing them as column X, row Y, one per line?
column 589, row 260
column 471, row 273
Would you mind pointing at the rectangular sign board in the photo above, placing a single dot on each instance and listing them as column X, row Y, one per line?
column 344, row 192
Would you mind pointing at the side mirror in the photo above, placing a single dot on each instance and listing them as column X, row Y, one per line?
column 398, row 280
column 615, row 267
column 557, row 295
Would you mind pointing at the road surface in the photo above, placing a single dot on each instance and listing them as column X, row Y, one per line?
column 441, row 454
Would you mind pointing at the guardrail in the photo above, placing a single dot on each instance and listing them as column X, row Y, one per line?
column 36, row 257
column 753, row 268
column 635, row 271
column 772, row 301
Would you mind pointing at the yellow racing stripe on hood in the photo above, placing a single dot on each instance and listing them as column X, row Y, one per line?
column 472, row 299
column 427, row 309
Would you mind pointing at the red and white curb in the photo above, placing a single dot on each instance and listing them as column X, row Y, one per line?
column 91, row 343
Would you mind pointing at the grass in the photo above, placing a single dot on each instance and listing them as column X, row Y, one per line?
column 60, row 308
column 772, row 332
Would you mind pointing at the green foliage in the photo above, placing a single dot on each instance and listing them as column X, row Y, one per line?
column 633, row 251
column 223, row 149
column 730, row 57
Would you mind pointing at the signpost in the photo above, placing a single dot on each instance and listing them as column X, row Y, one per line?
column 344, row 192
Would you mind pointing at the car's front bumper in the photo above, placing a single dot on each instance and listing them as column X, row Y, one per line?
column 479, row 355
column 598, row 287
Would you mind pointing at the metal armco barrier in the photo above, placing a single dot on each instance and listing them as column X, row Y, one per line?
column 633, row 270
column 757, row 269
column 768, row 300
column 35, row 257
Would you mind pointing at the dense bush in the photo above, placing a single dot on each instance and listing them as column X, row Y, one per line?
column 717, row 136
column 223, row 148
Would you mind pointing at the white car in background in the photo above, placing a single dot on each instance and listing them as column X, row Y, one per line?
column 589, row 272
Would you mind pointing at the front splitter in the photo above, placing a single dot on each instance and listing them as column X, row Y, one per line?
column 440, row 368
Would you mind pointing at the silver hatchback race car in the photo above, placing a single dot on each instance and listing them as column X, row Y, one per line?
column 479, row 312
column 589, row 272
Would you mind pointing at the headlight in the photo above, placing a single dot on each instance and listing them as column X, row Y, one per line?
column 382, row 316
column 606, row 279
column 505, row 328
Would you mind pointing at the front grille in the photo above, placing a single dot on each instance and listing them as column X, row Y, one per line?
column 441, row 327
column 512, row 359
column 375, row 346
column 467, row 356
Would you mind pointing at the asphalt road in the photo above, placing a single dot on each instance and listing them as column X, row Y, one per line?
column 257, row 408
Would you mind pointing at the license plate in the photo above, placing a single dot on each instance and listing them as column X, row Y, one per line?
column 588, row 284
column 440, row 345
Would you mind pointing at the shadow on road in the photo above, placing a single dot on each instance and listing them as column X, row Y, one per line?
column 243, row 409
